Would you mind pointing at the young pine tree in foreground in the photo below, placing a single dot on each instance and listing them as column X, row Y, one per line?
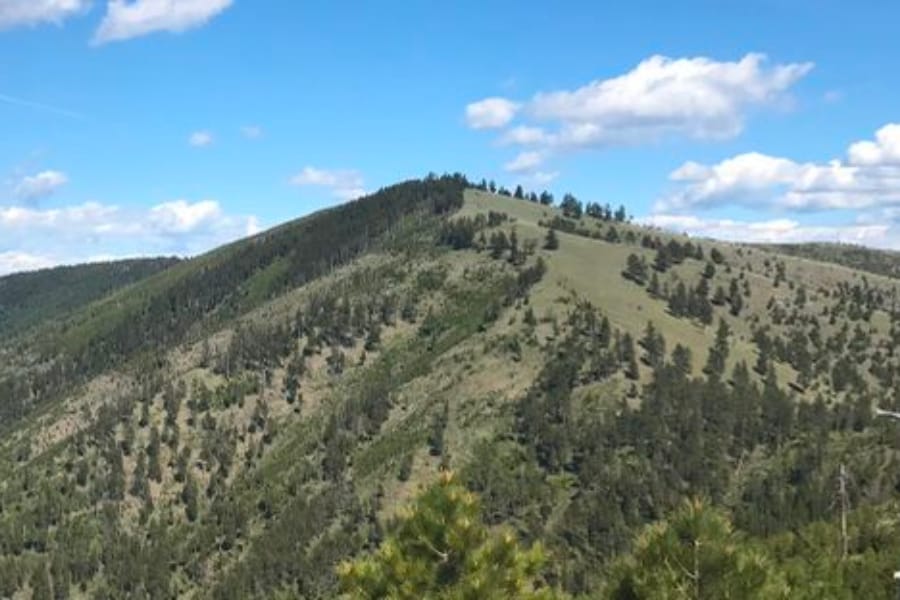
column 440, row 549
column 696, row 555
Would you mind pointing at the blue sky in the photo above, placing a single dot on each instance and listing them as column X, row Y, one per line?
column 148, row 127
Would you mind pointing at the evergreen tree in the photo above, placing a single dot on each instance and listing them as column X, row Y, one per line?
column 571, row 207
column 719, row 298
column 716, row 256
column 635, row 269
column 499, row 244
column 628, row 356
column 696, row 555
column 189, row 496
column 681, row 359
column 678, row 301
column 551, row 242
column 653, row 286
column 654, row 346
column 154, row 471
column 440, row 549
column 662, row 260
column 735, row 299
column 718, row 353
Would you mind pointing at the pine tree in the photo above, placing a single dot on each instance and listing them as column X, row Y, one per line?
column 551, row 242
column 441, row 549
column 716, row 256
column 653, row 286
column 635, row 269
column 189, row 496
column 718, row 353
column 678, row 301
column 499, row 244
column 735, row 299
column 654, row 345
column 719, row 298
column 154, row 471
column 681, row 359
column 696, row 555
column 629, row 357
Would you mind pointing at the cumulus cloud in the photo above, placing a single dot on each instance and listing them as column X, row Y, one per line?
column 17, row 13
column 524, row 135
column 868, row 178
column 82, row 232
column 526, row 162
column 129, row 19
column 344, row 184
column 491, row 113
column 200, row 139
column 884, row 150
column 180, row 216
column 695, row 98
column 41, row 185
column 776, row 230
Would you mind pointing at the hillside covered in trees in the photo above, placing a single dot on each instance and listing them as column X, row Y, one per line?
column 445, row 389
column 27, row 299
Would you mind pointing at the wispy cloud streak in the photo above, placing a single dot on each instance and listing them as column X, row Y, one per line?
column 64, row 112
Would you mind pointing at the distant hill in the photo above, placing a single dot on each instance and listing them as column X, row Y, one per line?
column 27, row 299
column 240, row 423
column 872, row 260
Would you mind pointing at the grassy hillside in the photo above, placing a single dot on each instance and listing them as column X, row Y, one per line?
column 237, row 425
column 27, row 299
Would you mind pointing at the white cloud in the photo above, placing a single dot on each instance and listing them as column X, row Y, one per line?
column 883, row 151
column 525, row 162
column 16, row 13
column 41, row 185
column 868, row 178
column 490, row 113
column 13, row 262
column 129, row 19
column 524, row 135
column 345, row 184
column 181, row 216
column 776, row 230
column 252, row 132
column 694, row 98
column 544, row 177
column 82, row 232
column 200, row 139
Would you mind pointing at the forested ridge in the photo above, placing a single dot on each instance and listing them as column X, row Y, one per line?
column 27, row 299
column 448, row 389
